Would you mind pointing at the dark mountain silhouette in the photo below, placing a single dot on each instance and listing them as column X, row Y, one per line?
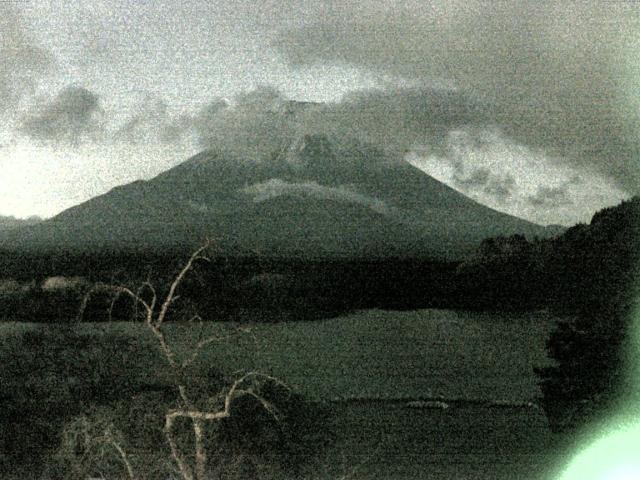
column 315, row 196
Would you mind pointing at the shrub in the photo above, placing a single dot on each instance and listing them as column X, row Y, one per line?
column 128, row 436
column 54, row 372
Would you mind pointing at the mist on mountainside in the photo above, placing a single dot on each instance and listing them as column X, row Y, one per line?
column 312, row 195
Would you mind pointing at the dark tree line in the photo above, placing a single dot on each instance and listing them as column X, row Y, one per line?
column 240, row 288
column 595, row 267
column 588, row 277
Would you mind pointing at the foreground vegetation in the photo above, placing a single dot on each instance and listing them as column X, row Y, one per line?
column 82, row 399
column 90, row 416
column 372, row 355
column 589, row 277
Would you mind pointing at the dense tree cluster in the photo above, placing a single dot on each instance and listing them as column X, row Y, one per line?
column 588, row 277
column 595, row 270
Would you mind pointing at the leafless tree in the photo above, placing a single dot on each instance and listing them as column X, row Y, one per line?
column 191, row 465
column 92, row 437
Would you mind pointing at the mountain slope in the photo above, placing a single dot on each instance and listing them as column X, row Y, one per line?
column 7, row 223
column 315, row 196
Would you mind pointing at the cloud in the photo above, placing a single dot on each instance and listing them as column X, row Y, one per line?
column 251, row 126
column 481, row 162
column 495, row 171
column 483, row 180
column 550, row 196
column 260, row 124
column 561, row 76
column 75, row 116
column 397, row 119
column 71, row 117
column 277, row 187
column 256, row 125
column 23, row 62
column 152, row 122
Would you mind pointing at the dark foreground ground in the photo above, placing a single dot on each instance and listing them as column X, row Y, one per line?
column 480, row 359
column 389, row 440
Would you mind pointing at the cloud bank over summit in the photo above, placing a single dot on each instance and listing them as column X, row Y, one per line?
column 513, row 103
column 443, row 131
column 256, row 123
column 561, row 76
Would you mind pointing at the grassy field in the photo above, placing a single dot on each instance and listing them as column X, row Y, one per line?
column 383, row 354
column 401, row 355
column 388, row 358
column 465, row 442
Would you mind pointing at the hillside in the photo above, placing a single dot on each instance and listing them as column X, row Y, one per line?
column 7, row 223
column 314, row 197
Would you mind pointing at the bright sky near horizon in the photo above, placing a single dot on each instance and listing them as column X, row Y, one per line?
column 531, row 108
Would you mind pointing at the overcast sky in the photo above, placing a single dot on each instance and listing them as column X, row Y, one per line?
column 532, row 108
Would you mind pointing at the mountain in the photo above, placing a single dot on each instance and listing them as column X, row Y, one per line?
column 7, row 223
column 315, row 196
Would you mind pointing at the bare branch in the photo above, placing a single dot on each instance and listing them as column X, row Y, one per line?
column 113, row 302
column 183, row 467
column 197, row 349
column 197, row 255
column 268, row 406
column 183, row 395
column 164, row 346
column 122, row 453
column 234, row 392
column 154, row 297
column 94, row 441
column 197, row 414
column 265, row 376
column 116, row 290
column 203, row 342
column 201, row 452
column 190, row 465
